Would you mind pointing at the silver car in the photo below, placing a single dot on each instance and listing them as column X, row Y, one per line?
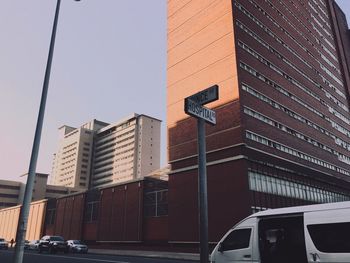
column 77, row 246
column 34, row 244
column 3, row 244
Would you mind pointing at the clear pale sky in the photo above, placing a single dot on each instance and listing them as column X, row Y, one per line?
column 109, row 61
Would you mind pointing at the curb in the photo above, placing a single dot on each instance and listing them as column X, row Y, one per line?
column 150, row 254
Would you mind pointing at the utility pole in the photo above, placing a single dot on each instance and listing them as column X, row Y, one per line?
column 23, row 217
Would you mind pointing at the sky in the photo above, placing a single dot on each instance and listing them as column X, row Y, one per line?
column 109, row 62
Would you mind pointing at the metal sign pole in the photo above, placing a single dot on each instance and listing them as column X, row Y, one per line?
column 194, row 107
column 202, row 192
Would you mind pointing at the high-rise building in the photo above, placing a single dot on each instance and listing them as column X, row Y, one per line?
column 72, row 161
column 126, row 150
column 98, row 154
column 283, row 126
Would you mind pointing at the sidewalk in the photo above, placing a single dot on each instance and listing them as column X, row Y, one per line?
column 152, row 254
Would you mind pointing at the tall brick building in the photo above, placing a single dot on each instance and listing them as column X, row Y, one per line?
column 283, row 130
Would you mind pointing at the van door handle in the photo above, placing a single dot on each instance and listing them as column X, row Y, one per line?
column 314, row 257
column 247, row 256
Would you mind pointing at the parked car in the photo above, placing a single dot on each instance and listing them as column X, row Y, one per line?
column 34, row 244
column 3, row 244
column 52, row 244
column 77, row 246
column 26, row 244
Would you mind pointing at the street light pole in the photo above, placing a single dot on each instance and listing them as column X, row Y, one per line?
column 23, row 217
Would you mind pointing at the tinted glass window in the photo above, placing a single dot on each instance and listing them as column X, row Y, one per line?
column 331, row 238
column 237, row 239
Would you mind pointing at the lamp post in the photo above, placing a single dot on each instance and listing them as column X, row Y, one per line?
column 23, row 217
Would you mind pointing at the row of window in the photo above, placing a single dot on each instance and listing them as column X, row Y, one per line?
column 280, row 72
column 259, row 23
column 280, row 41
column 112, row 143
column 316, row 3
column 8, row 195
column 321, row 25
column 68, row 167
column 108, row 139
column 312, row 109
column 103, row 168
column 69, row 178
column 101, row 182
column 316, row 12
column 278, row 24
column 69, row 145
column 107, row 132
column 319, row 42
column 296, row 83
column 70, row 160
column 295, row 28
column 66, row 173
column 12, row 187
column 286, row 149
column 272, row 185
column 267, row 120
column 330, row 63
column 300, row 22
column 101, row 178
column 67, row 156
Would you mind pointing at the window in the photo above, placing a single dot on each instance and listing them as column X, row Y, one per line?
column 156, row 203
column 331, row 238
column 237, row 239
column 50, row 216
column 91, row 211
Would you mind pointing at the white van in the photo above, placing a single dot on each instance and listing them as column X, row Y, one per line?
column 302, row 234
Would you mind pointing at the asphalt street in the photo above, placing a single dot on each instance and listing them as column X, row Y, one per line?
column 34, row 257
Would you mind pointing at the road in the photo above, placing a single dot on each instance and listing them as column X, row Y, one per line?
column 34, row 257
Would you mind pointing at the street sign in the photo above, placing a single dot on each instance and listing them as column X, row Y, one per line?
column 197, row 110
column 205, row 96
column 194, row 107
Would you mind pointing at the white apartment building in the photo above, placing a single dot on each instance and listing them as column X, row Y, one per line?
column 72, row 161
column 98, row 154
column 126, row 150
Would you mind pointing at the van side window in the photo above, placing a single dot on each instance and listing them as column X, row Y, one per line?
column 331, row 238
column 237, row 239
